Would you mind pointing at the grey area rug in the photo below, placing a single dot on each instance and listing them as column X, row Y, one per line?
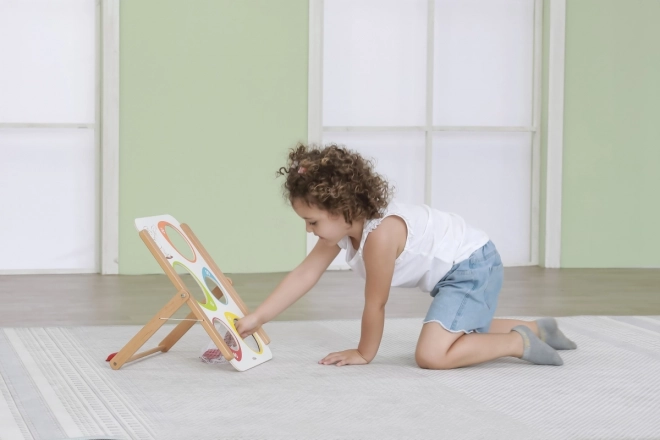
column 55, row 384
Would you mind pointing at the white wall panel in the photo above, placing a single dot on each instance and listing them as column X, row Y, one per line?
column 374, row 65
column 47, row 61
column 486, row 178
column 48, row 199
column 483, row 62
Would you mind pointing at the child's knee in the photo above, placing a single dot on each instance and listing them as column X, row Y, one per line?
column 429, row 360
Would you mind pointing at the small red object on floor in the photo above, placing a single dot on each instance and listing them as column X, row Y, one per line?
column 110, row 357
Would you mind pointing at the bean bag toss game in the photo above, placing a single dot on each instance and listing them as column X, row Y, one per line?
column 217, row 312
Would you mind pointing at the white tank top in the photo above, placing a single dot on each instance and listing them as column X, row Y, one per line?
column 436, row 241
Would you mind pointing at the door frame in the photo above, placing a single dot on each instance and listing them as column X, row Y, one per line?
column 555, row 135
column 109, row 139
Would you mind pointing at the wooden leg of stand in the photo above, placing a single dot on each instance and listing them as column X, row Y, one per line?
column 148, row 330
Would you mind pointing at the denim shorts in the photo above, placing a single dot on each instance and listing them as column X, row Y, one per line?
column 464, row 300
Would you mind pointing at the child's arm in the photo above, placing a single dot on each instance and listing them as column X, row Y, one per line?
column 379, row 259
column 297, row 283
column 381, row 249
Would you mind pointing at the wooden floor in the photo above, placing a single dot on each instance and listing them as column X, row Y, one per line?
column 65, row 300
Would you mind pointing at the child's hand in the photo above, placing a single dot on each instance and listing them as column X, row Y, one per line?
column 248, row 325
column 346, row 357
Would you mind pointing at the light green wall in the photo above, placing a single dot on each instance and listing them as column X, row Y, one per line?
column 213, row 93
column 611, row 153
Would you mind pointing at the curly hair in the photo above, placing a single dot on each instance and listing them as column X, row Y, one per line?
column 337, row 180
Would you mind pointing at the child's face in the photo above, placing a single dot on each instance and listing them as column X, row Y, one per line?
column 321, row 223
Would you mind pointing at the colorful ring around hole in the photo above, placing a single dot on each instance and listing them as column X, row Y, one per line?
column 161, row 227
column 231, row 318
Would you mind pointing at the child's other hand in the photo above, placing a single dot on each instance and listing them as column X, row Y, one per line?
column 346, row 357
column 248, row 325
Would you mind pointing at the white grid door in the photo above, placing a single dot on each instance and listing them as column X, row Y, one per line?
column 49, row 107
column 444, row 95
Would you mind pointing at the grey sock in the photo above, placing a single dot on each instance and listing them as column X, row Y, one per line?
column 550, row 334
column 535, row 350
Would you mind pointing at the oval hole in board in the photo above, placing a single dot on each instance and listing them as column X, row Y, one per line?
column 215, row 289
column 226, row 334
column 179, row 243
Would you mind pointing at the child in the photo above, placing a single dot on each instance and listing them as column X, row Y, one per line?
column 347, row 205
